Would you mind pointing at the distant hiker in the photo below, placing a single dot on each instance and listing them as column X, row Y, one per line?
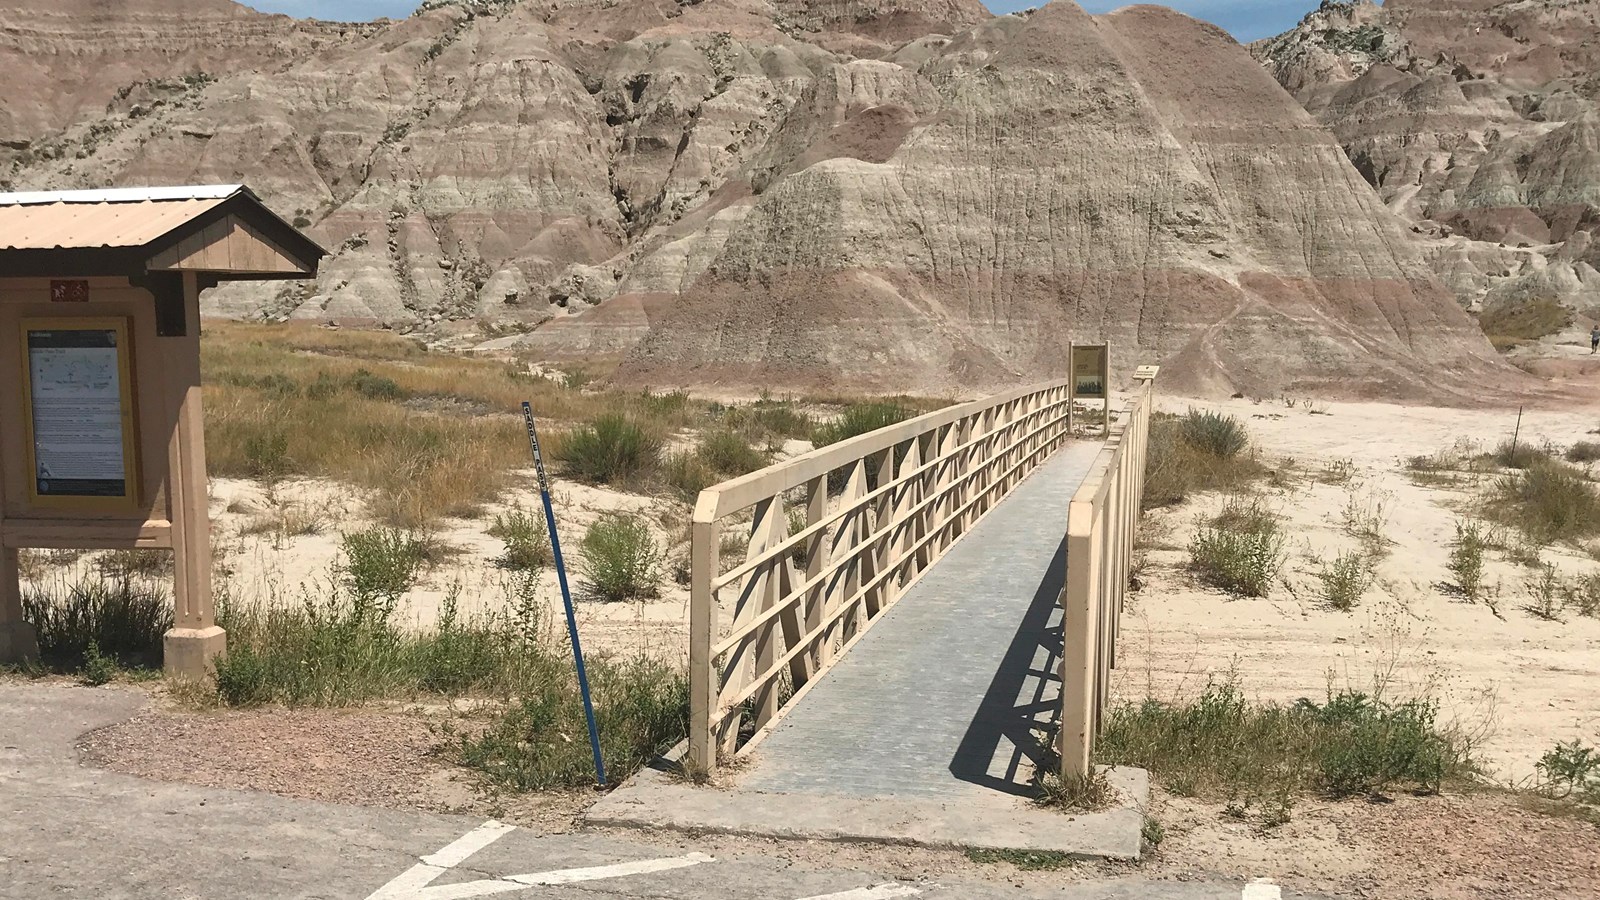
column 1594, row 339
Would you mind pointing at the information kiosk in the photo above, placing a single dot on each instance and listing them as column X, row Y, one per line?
column 102, row 442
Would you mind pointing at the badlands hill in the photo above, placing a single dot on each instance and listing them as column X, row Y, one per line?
column 886, row 194
column 1476, row 120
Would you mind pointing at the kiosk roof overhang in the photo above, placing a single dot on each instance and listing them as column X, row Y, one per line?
column 221, row 232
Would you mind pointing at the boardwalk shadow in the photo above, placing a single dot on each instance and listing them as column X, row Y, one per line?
column 1023, row 700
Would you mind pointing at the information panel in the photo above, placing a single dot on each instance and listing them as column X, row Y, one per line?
column 80, row 411
column 1090, row 371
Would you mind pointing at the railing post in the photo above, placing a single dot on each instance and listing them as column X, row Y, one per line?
column 703, row 541
column 1078, row 644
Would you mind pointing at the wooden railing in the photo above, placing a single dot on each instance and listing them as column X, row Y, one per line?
column 879, row 510
column 1102, row 523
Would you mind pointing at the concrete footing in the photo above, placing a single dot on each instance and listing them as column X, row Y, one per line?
column 984, row 819
column 192, row 652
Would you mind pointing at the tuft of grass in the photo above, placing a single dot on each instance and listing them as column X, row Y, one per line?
column 860, row 418
column 539, row 742
column 1518, row 454
column 1074, row 792
column 1177, row 466
column 1582, row 595
column 1026, row 860
column 1548, row 501
column 331, row 647
column 621, row 560
column 613, row 449
column 1222, row 747
column 1512, row 322
column 1583, row 452
column 526, row 538
column 119, row 565
column 1466, row 558
column 720, row 455
column 123, row 620
column 1346, row 579
column 1545, row 595
column 1241, row 550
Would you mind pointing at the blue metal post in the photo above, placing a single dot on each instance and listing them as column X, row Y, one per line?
column 566, row 593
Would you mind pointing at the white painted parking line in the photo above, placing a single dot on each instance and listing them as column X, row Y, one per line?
column 468, row 844
column 879, row 892
column 416, row 883
column 1262, row 889
column 595, row 873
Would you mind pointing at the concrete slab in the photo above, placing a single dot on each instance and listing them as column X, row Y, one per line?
column 656, row 799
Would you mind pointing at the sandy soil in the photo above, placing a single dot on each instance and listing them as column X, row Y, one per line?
column 1521, row 683
column 1449, row 848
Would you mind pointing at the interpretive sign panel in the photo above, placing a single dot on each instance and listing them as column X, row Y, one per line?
column 81, row 434
column 1090, row 371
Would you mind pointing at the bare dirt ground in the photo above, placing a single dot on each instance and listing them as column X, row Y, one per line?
column 1442, row 848
column 1519, row 682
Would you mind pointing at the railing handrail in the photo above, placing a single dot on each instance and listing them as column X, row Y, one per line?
column 1102, row 522
column 931, row 478
column 743, row 492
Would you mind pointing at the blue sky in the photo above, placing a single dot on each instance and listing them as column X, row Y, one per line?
column 1247, row 19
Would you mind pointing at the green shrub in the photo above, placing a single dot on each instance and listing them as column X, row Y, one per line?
column 243, row 677
column 540, row 742
column 1545, row 594
column 382, row 563
column 1240, row 551
column 97, row 669
column 730, row 455
column 1176, row 468
column 687, row 473
column 1518, row 454
column 526, row 538
column 1346, row 579
column 1549, row 501
column 1570, row 770
column 1222, row 747
column 1583, row 452
column 375, row 387
column 611, row 450
column 1215, row 434
column 621, row 560
column 858, row 419
column 1466, row 559
column 124, row 620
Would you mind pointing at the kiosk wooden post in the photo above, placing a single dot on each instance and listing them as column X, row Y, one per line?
column 102, row 437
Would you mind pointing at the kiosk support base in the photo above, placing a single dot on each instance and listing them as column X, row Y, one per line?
column 192, row 652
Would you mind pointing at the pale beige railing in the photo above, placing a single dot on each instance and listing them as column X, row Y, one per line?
column 799, row 601
column 1102, row 523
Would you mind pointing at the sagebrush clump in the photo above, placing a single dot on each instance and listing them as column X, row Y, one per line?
column 1241, row 549
column 621, row 560
column 1193, row 453
column 613, row 449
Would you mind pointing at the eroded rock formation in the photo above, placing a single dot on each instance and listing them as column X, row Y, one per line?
column 878, row 194
column 1477, row 120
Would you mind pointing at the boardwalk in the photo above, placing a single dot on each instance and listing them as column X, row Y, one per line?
column 938, row 699
column 928, row 730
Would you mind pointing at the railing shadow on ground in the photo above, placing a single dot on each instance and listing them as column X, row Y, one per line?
column 1023, row 703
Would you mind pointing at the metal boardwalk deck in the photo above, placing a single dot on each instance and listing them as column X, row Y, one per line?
column 938, row 698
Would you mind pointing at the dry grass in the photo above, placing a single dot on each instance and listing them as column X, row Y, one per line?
column 429, row 434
